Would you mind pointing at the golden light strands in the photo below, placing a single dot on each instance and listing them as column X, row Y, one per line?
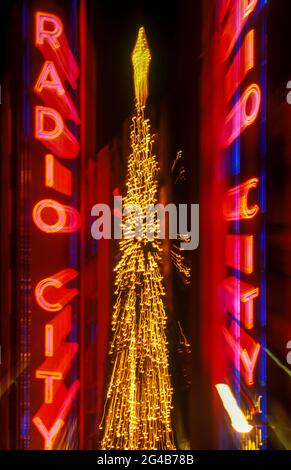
column 178, row 259
column 137, row 412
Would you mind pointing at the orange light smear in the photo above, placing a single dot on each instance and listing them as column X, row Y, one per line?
column 242, row 63
column 248, row 7
column 239, row 250
column 62, row 297
column 234, row 14
column 238, row 120
column 236, row 206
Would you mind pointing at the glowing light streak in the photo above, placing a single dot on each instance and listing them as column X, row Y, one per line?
column 179, row 262
column 233, row 15
column 241, row 65
column 278, row 362
column 238, row 419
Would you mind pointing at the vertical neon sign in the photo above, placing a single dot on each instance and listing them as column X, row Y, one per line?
column 242, row 53
column 53, row 216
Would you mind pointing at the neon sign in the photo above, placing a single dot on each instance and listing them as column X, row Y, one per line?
column 243, row 209
column 52, row 217
column 236, row 206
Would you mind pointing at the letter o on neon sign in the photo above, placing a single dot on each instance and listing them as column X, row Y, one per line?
column 252, row 93
column 59, row 210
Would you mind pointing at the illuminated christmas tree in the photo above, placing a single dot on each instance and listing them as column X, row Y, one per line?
column 138, row 404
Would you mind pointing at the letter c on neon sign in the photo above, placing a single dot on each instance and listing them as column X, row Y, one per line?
column 57, row 281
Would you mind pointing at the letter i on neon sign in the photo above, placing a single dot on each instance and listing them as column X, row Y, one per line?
column 49, row 340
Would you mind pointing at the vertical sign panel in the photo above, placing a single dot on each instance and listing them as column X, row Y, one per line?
column 51, row 419
column 241, row 26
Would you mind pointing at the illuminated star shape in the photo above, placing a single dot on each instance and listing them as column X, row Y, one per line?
column 141, row 58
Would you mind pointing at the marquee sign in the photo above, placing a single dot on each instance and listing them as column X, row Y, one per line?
column 241, row 24
column 56, row 220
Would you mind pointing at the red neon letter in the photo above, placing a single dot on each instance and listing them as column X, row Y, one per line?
column 57, row 330
column 239, row 251
column 50, row 116
column 49, row 340
column 57, row 176
column 49, row 227
column 49, row 436
column 51, row 217
column 48, row 28
column 238, row 292
column 47, row 414
column 52, row 132
column 49, row 377
column 49, row 78
column 246, row 348
column 50, row 293
column 52, row 42
column 243, row 114
column 236, row 205
column 50, row 89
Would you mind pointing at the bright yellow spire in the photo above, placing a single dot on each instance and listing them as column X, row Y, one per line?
column 141, row 58
column 137, row 411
